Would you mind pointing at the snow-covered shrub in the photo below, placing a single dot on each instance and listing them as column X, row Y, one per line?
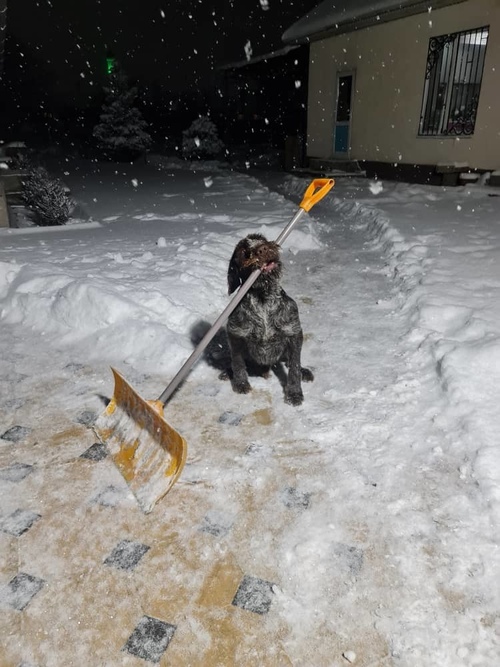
column 46, row 197
column 201, row 140
column 121, row 131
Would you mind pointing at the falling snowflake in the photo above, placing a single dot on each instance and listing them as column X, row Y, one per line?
column 298, row 84
column 376, row 187
column 248, row 50
column 208, row 182
column 135, row 182
column 264, row 4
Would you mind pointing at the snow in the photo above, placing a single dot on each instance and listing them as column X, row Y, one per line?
column 376, row 504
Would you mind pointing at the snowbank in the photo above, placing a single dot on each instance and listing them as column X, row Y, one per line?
column 131, row 300
column 445, row 267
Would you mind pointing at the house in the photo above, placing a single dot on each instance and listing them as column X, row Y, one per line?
column 407, row 88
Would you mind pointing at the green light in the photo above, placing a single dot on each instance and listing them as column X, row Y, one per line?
column 110, row 64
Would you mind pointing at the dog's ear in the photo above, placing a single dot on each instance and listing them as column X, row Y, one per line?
column 233, row 271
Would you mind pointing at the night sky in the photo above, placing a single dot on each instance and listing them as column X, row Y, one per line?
column 177, row 42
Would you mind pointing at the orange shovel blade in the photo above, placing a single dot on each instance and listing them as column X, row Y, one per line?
column 148, row 452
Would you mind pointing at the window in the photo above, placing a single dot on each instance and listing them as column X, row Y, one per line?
column 453, row 76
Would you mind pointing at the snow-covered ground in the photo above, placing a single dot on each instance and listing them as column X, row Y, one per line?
column 373, row 508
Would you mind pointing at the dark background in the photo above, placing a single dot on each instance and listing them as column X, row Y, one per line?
column 56, row 51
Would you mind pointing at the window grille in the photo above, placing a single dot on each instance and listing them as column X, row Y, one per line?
column 453, row 77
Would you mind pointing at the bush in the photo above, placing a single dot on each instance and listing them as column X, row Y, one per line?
column 201, row 140
column 46, row 197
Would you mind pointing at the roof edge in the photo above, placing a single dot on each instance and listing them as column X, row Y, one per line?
column 283, row 51
column 369, row 20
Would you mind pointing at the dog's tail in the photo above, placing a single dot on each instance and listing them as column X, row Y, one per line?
column 217, row 354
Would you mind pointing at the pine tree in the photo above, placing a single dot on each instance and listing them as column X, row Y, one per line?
column 201, row 139
column 121, row 130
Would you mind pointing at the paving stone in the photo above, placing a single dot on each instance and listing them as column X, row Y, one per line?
column 19, row 592
column 208, row 390
column 16, row 472
column 18, row 522
column 110, row 496
column 14, row 403
column 230, row 418
column 86, row 418
column 16, row 433
column 126, row 555
column 350, row 557
column 217, row 523
column 96, row 452
column 258, row 450
column 14, row 377
column 74, row 366
column 295, row 499
column 254, row 595
column 150, row 639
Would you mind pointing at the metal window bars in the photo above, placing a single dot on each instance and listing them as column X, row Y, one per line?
column 453, row 76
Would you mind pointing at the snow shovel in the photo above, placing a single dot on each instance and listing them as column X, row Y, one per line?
column 148, row 452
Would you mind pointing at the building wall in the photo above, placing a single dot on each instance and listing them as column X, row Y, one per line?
column 389, row 62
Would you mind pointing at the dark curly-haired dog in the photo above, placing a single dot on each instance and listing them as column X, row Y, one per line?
column 264, row 329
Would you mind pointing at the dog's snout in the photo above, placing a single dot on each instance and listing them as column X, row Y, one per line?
column 267, row 251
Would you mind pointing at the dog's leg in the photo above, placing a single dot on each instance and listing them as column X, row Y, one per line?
column 306, row 373
column 293, row 389
column 239, row 379
column 281, row 374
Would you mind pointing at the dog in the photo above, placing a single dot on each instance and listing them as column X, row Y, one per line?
column 264, row 330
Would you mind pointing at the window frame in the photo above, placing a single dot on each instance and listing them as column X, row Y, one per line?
column 449, row 69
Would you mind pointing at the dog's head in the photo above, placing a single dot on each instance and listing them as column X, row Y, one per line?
column 254, row 252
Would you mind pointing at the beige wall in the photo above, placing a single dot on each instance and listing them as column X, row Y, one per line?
column 389, row 61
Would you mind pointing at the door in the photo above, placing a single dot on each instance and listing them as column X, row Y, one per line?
column 342, row 131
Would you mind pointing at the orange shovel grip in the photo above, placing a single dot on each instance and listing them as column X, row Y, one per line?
column 315, row 192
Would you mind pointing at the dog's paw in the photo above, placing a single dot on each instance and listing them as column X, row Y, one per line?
column 307, row 375
column 242, row 387
column 224, row 375
column 294, row 396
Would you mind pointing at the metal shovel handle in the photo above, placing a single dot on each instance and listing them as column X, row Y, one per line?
column 314, row 193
